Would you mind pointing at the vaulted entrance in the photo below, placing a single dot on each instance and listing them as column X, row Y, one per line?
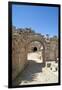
column 35, row 52
column 34, row 49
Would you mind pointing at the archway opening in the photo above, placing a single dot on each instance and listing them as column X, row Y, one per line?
column 34, row 49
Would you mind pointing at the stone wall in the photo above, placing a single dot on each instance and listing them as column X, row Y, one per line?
column 21, row 39
column 53, row 49
column 19, row 56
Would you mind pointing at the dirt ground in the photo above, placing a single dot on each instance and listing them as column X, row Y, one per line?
column 34, row 73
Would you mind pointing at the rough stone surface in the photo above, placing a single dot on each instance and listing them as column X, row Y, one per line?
column 21, row 39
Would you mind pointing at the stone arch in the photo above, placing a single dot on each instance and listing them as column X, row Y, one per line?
column 20, row 47
column 20, row 44
column 40, row 39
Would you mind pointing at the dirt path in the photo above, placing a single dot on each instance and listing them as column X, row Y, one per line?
column 35, row 74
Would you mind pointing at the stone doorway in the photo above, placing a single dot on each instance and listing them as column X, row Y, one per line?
column 35, row 52
column 34, row 49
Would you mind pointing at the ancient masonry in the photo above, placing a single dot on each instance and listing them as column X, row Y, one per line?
column 21, row 39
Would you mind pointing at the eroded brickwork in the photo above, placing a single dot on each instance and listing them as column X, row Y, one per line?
column 21, row 39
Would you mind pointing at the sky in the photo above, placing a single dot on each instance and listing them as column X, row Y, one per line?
column 42, row 19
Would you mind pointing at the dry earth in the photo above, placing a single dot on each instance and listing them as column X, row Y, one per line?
column 34, row 73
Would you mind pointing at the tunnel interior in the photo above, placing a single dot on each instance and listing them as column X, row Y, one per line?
column 34, row 49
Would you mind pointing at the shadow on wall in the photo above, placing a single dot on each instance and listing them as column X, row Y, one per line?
column 29, row 72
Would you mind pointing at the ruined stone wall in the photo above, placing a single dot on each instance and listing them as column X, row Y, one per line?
column 19, row 55
column 20, row 47
column 47, row 51
column 53, row 49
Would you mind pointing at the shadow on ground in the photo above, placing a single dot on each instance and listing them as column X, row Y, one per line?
column 29, row 72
